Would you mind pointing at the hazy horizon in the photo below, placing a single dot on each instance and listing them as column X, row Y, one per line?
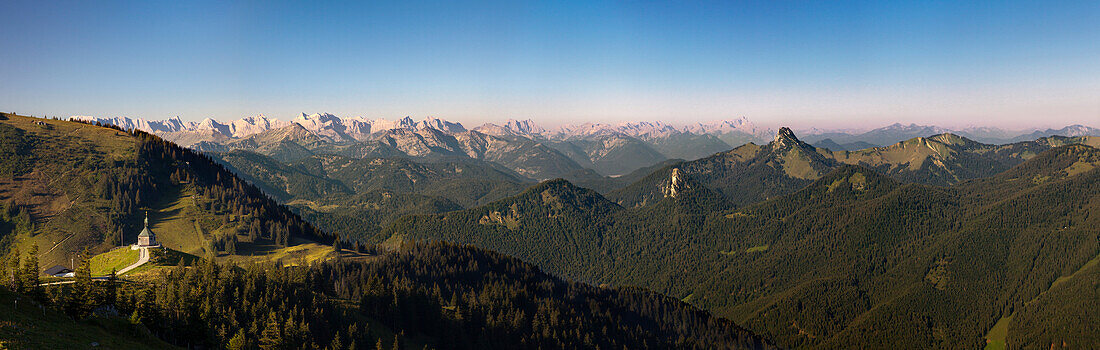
column 849, row 65
column 770, row 127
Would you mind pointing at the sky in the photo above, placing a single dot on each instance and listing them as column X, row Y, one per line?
column 825, row 64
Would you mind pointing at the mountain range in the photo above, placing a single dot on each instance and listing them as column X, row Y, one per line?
column 355, row 127
column 848, row 258
column 77, row 193
column 523, row 146
column 936, row 241
column 887, row 135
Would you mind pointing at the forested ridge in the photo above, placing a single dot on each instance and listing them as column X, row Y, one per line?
column 88, row 186
column 852, row 258
column 360, row 196
column 228, row 193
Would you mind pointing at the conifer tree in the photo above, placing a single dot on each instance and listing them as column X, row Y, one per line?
column 82, row 299
column 336, row 344
column 238, row 341
column 30, row 271
column 272, row 337
column 15, row 283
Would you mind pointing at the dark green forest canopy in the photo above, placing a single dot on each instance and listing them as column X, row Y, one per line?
column 852, row 258
column 438, row 295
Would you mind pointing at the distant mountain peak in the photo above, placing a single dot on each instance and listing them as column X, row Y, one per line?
column 211, row 125
column 439, row 124
column 911, row 128
column 524, row 127
column 740, row 124
column 321, row 117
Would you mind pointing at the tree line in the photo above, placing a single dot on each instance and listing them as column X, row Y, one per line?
column 431, row 295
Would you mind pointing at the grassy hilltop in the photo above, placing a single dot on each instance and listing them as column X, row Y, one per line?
column 89, row 187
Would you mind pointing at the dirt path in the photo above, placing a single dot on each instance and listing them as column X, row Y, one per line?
column 142, row 259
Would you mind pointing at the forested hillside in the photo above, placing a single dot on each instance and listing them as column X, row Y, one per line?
column 852, row 258
column 71, row 186
column 404, row 296
column 435, row 296
column 360, row 196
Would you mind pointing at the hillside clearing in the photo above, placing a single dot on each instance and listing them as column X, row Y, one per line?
column 114, row 260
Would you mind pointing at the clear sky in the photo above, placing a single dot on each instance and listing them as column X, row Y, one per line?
column 823, row 64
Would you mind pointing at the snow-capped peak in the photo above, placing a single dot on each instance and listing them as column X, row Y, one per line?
column 524, row 127
column 253, row 125
column 440, row 124
column 741, row 124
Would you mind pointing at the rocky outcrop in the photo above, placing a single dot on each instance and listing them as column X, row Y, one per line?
column 676, row 184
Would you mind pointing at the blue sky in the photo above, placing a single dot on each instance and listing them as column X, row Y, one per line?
column 812, row 64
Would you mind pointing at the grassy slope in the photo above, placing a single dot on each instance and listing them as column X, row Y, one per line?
column 70, row 217
column 28, row 327
column 114, row 260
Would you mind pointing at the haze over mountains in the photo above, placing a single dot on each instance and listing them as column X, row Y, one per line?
column 331, row 125
column 357, row 127
column 522, row 145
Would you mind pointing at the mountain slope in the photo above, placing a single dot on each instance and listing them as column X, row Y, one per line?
column 829, row 264
column 965, row 254
column 616, row 154
column 746, row 174
column 279, row 180
column 588, row 178
column 525, row 156
column 564, row 217
column 684, row 145
column 396, row 297
column 883, row 136
column 832, row 145
column 751, row 173
column 356, row 197
column 1068, row 131
column 25, row 326
column 86, row 186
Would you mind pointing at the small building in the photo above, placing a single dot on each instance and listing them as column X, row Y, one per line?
column 59, row 271
column 147, row 238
